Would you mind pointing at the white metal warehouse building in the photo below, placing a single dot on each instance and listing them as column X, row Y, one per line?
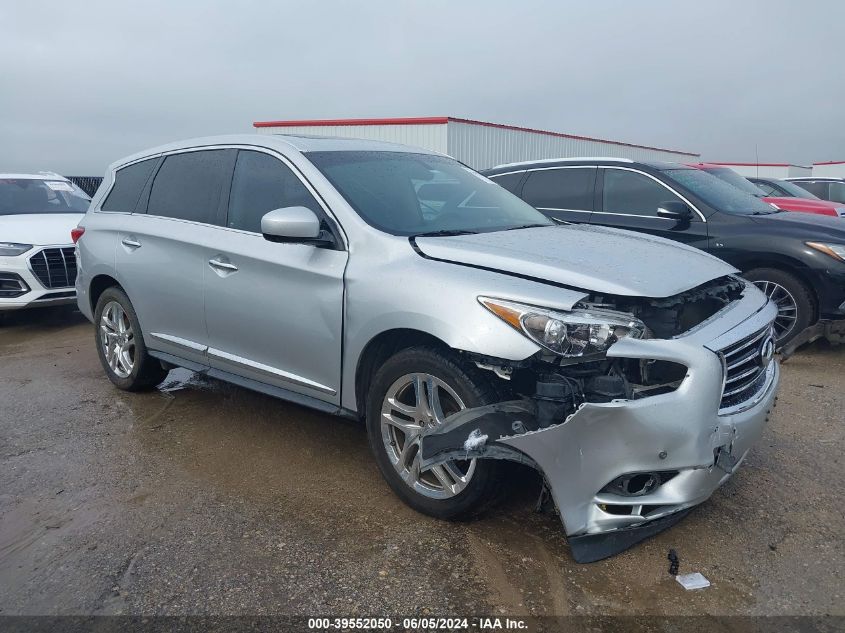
column 829, row 169
column 476, row 143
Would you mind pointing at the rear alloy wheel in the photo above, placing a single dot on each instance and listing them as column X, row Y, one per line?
column 120, row 344
column 794, row 301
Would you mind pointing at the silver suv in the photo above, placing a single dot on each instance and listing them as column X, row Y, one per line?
column 399, row 287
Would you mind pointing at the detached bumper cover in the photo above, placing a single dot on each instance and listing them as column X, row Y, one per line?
column 682, row 433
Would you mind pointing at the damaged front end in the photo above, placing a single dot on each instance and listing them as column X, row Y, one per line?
column 631, row 438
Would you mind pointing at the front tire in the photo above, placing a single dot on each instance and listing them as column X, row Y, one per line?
column 120, row 344
column 795, row 301
column 421, row 387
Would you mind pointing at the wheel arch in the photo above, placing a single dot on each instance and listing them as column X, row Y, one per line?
column 99, row 284
column 787, row 265
column 379, row 349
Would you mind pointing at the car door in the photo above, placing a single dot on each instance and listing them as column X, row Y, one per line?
column 274, row 310
column 628, row 199
column 562, row 193
column 161, row 251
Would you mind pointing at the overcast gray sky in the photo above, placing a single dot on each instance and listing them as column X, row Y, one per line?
column 84, row 83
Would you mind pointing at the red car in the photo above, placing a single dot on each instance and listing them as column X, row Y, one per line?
column 803, row 205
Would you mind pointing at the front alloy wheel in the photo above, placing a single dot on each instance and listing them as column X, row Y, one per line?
column 787, row 308
column 413, row 403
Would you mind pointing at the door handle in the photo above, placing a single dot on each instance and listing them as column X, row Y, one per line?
column 130, row 243
column 221, row 265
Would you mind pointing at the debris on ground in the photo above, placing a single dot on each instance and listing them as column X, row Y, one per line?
column 692, row 581
column 674, row 562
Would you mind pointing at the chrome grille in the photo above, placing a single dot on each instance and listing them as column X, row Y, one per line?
column 54, row 267
column 745, row 364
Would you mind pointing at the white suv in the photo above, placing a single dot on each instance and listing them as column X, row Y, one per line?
column 37, row 262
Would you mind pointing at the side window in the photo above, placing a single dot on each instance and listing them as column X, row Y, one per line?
column 187, row 186
column 837, row 192
column 570, row 188
column 128, row 184
column 508, row 181
column 819, row 189
column 262, row 183
column 630, row 192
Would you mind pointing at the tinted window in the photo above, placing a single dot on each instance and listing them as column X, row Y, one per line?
column 262, row 183
column 508, row 181
column 21, row 196
column 629, row 192
column 837, row 192
column 128, row 184
column 188, row 186
column 405, row 193
column 816, row 188
column 570, row 188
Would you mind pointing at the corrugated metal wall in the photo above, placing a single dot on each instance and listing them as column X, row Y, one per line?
column 483, row 146
column 830, row 170
column 431, row 137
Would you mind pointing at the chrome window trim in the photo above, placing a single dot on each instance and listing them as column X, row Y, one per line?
column 561, row 209
column 658, row 181
column 274, row 153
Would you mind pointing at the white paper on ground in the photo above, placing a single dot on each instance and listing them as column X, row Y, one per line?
column 692, row 581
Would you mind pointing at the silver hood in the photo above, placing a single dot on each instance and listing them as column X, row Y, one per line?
column 596, row 258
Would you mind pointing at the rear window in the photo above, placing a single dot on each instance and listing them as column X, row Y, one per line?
column 23, row 196
column 128, row 184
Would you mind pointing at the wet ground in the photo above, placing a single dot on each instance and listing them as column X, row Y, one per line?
column 204, row 498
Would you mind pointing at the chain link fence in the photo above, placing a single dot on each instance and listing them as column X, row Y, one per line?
column 88, row 184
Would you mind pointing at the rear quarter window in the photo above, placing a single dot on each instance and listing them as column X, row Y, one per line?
column 508, row 181
column 128, row 184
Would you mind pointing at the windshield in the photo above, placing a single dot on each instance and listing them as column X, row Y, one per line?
column 719, row 194
column 413, row 194
column 795, row 191
column 22, row 196
column 733, row 178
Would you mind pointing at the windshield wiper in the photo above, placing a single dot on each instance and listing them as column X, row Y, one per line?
column 445, row 233
column 527, row 226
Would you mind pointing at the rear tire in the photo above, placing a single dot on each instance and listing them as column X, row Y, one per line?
column 440, row 491
column 120, row 344
column 795, row 301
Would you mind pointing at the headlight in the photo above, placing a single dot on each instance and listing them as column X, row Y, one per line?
column 837, row 251
column 9, row 249
column 572, row 334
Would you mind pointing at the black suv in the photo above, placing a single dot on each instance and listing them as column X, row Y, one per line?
column 795, row 258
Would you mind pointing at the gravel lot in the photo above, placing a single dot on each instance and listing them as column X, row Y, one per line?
column 204, row 498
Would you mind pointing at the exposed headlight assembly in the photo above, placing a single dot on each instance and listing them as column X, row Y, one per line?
column 10, row 249
column 837, row 251
column 570, row 334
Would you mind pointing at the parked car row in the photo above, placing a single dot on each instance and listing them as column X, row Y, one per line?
column 797, row 259
column 37, row 263
column 459, row 323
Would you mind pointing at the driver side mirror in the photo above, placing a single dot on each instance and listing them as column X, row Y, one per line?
column 294, row 224
column 674, row 210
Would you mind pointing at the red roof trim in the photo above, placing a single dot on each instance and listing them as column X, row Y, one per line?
column 435, row 120
column 756, row 164
column 425, row 120
column 831, row 162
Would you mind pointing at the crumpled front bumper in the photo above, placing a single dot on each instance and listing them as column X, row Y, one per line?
column 682, row 434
